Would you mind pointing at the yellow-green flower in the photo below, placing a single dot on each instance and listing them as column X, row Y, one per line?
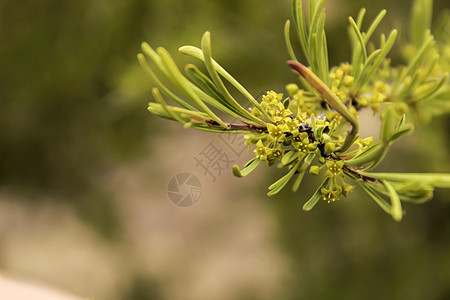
column 268, row 154
column 347, row 188
column 334, row 168
column 291, row 125
column 331, row 195
column 279, row 112
column 275, row 133
column 303, row 144
column 314, row 170
column 262, row 152
column 251, row 139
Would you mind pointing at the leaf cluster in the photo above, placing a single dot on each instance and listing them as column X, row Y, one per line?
column 315, row 128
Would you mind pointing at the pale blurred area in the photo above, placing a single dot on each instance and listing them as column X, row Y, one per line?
column 84, row 168
column 221, row 248
column 15, row 290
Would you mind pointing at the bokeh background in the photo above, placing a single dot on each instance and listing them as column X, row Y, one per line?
column 84, row 167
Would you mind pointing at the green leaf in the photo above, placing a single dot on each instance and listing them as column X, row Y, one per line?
column 402, row 131
column 371, row 154
column 389, row 121
column 197, row 53
column 206, row 48
column 248, row 168
column 440, row 180
column 287, row 39
column 396, row 213
column 414, row 63
column 157, row 95
column 421, row 20
column 416, row 198
column 432, row 64
column 297, row 14
column 431, row 89
column 204, row 83
column 389, row 132
column 413, row 191
column 298, row 181
column 360, row 17
column 182, row 83
column 374, row 25
column 377, row 198
column 161, row 111
column 322, row 57
column 375, row 66
column 148, row 70
column 411, row 86
column 316, row 197
column 289, row 157
column 304, row 166
column 331, row 99
column 362, row 75
column 280, row 183
column 210, row 128
column 208, row 92
column 362, row 45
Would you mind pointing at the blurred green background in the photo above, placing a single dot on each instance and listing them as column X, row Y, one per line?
column 84, row 166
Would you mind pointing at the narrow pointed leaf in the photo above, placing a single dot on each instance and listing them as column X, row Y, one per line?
column 440, row 180
column 198, row 53
column 287, row 39
column 362, row 45
column 297, row 13
column 182, row 83
column 306, row 163
column 289, row 157
column 402, row 131
column 249, row 167
column 374, row 25
column 432, row 89
column 397, row 213
column 206, row 48
column 316, row 197
column 157, row 95
column 148, row 70
column 208, row 92
column 377, row 198
column 331, row 99
column 389, row 121
column 412, row 196
column 369, row 155
column 385, row 50
column 280, row 183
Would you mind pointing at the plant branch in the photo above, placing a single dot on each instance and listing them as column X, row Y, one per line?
column 331, row 99
column 354, row 172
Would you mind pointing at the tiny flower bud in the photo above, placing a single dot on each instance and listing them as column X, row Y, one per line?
column 367, row 141
column 347, row 188
column 292, row 89
column 330, row 147
column 401, row 108
column 314, row 170
column 348, row 80
column 363, row 102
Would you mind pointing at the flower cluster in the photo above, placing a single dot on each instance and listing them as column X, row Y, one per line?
column 285, row 131
column 342, row 81
column 268, row 153
column 375, row 96
column 316, row 129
